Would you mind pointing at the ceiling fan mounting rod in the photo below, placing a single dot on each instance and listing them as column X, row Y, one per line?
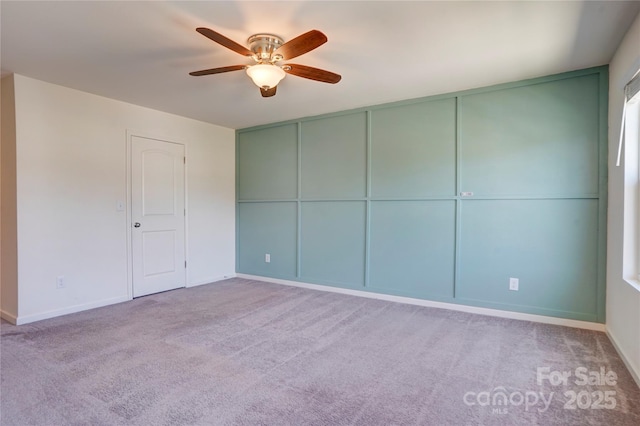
column 263, row 46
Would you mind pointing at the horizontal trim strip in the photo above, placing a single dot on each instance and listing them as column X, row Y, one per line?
column 441, row 305
column 578, row 316
column 436, row 198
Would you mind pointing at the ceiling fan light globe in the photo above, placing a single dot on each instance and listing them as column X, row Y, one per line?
column 265, row 76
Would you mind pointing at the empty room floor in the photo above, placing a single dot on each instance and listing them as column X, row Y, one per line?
column 247, row 352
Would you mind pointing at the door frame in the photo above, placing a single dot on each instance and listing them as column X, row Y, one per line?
column 130, row 134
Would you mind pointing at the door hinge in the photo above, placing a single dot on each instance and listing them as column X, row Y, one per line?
column 185, row 263
column 184, row 160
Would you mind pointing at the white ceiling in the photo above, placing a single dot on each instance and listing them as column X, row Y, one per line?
column 142, row 52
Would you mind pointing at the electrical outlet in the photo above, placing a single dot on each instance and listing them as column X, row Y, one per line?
column 267, row 258
column 60, row 281
column 514, row 283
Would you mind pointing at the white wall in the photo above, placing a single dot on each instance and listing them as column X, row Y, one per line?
column 623, row 300
column 71, row 171
column 8, row 236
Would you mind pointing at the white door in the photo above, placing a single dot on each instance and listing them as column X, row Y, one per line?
column 157, row 215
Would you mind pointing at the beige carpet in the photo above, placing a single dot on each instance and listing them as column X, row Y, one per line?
column 251, row 353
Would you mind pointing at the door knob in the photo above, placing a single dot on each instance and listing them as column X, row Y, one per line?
column 136, row 225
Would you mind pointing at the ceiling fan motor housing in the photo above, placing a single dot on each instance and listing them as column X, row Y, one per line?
column 263, row 46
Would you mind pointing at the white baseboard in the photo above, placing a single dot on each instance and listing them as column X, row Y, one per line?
column 19, row 320
column 69, row 310
column 212, row 280
column 442, row 305
column 633, row 371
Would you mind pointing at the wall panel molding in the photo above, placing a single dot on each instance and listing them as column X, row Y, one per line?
column 443, row 198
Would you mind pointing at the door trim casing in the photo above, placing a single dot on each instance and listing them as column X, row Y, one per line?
column 129, row 203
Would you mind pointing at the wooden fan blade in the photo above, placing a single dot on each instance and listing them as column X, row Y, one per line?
column 218, row 70
column 312, row 73
column 267, row 93
column 222, row 40
column 300, row 45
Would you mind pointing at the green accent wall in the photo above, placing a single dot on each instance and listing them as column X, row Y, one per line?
column 334, row 157
column 413, row 150
column 442, row 198
column 332, row 248
column 414, row 241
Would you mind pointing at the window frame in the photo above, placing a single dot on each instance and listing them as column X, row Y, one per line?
column 631, row 201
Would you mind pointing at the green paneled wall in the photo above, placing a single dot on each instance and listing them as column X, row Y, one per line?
column 268, row 171
column 413, row 150
column 332, row 249
column 268, row 228
column 334, row 157
column 550, row 245
column 537, row 140
column 442, row 198
column 412, row 248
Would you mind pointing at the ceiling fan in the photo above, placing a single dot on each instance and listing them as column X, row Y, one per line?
column 267, row 50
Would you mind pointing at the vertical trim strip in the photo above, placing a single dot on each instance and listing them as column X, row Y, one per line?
column 458, row 200
column 237, row 199
column 299, row 204
column 603, row 166
column 367, row 219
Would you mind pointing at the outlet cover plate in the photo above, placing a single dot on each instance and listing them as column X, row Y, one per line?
column 514, row 284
